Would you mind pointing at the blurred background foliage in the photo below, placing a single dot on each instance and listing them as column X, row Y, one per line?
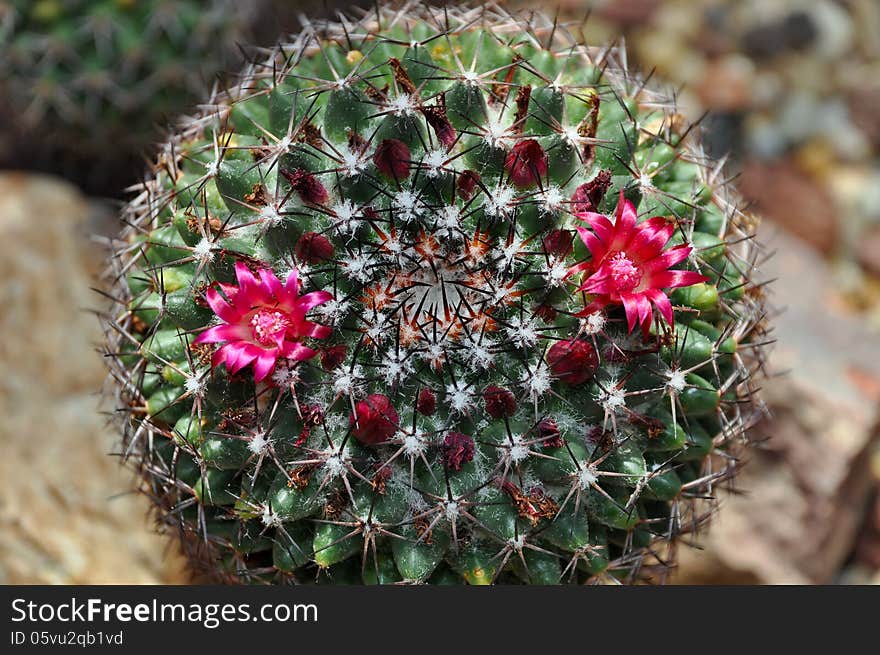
column 792, row 91
column 88, row 86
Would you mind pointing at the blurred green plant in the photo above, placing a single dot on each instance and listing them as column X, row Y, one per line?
column 85, row 83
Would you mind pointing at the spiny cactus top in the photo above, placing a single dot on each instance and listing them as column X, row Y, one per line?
column 435, row 296
column 87, row 81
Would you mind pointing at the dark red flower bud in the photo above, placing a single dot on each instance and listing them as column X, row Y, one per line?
column 436, row 117
column 374, row 420
column 573, row 362
column 559, row 243
column 426, row 404
column 549, row 434
column 392, row 158
column 526, row 163
column 602, row 438
column 306, row 185
column 313, row 248
column 457, row 450
column 333, row 356
column 587, row 196
column 499, row 401
column 546, row 313
column 594, row 433
column 466, row 183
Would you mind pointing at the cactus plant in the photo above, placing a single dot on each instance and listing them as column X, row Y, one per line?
column 435, row 296
column 83, row 83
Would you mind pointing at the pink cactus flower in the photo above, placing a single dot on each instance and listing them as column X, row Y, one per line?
column 629, row 265
column 263, row 321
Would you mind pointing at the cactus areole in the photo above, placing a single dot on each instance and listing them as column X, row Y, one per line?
column 435, row 296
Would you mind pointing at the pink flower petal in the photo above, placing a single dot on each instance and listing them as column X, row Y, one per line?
column 650, row 237
column 319, row 331
column 645, row 311
column 664, row 260
column 220, row 307
column 239, row 354
column 578, row 268
column 638, row 309
column 298, row 352
column 271, row 284
column 247, row 283
column 221, row 333
column 673, row 279
column 598, row 283
column 632, row 310
column 264, row 364
column 595, row 306
column 625, row 214
column 604, row 229
column 218, row 357
column 661, row 302
column 292, row 283
column 592, row 242
column 313, row 299
column 590, row 217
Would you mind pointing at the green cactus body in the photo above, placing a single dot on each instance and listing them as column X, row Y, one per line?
column 453, row 402
column 85, row 82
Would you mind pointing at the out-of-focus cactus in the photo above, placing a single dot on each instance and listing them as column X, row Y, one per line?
column 84, row 83
column 435, row 296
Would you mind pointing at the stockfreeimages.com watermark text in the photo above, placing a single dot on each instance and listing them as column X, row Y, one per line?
column 208, row 615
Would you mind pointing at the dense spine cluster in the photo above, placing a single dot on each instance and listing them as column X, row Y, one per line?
column 435, row 296
column 84, row 83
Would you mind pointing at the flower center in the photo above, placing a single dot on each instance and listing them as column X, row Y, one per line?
column 269, row 325
column 624, row 274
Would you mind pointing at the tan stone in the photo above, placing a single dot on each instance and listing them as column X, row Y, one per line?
column 727, row 84
column 783, row 193
column 66, row 511
column 868, row 250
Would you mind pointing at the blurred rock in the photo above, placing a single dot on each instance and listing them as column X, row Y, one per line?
column 763, row 140
column 65, row 512
column 867, row 550
column 793, row 32
column 727, row 84
column 723, row 134
column 835, row 28
column 784, row 194
column 804, row 493
column 868, row 250
column 864, row 105
column 628, row 13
